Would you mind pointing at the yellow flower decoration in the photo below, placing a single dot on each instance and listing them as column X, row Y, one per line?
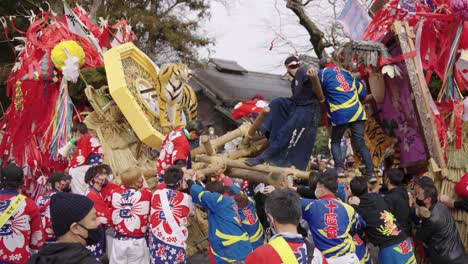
column 58, row 54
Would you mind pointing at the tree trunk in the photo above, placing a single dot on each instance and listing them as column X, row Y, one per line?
column 93, row 10
column 316, row 35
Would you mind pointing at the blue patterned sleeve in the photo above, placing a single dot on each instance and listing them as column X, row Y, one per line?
column 204, row 198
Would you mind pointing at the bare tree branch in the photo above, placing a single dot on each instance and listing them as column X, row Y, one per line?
column 94, row 9
column 169, row 9
column 316, row 36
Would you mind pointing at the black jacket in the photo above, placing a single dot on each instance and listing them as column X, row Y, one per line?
column 381, row 228
column 440, row 233
column 302, row 92
column 397, row 200
column 306, row 192
column 63, row 253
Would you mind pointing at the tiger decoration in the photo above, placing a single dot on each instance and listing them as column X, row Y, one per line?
column 175, row 96
column 380, row 145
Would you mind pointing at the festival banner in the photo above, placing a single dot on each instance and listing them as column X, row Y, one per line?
column 398, row 117
column 354, row 19
column 77, row 27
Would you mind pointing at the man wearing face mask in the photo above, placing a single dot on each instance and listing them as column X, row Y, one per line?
column 381, row 229
column 283, row 209
column 439, row 231
column 170, row 209
column 292, row 123
column 106, row 192
column 397, row 198
column 109, row 188
column 176, row 146
column 75, row 225
column 60, row 182
column 96, row 179
column 332, row 233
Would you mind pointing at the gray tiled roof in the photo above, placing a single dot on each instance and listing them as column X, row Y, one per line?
column 229, row 83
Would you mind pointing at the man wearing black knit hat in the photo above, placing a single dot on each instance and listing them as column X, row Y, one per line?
column 291, row 126
column 75, row 225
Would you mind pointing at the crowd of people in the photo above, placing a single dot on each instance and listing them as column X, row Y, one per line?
column 340, row 215
column 287, row 223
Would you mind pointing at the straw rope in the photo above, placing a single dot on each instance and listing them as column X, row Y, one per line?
column 119, row 145
column 457, row 166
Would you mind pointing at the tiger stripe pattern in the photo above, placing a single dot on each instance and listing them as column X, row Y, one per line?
column 175, row 95
column 380, row 145
column 189, row 103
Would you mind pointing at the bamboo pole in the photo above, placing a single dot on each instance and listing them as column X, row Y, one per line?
column 274, row 179
column 253, row 128
column 209, row 171
column 210, row 151
column 418, row 88
column 138, row 150
column 220, row 141
column 253, row 149
column 238, row 164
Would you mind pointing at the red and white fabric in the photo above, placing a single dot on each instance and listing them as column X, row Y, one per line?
column 108, row 190
column 103, row 210
column 244, row 109
column 130, row 211
column 175, row 147
column 181, row 207
column 22, row 232
column 85, row 146
column 43, row 202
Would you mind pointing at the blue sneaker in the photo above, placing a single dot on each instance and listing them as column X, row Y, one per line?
column 254, row 161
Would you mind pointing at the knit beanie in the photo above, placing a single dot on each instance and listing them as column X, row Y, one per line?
column 12, row 174
column 66, row 209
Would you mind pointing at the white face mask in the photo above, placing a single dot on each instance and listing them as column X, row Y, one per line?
column 271, row 228
column 317, row 193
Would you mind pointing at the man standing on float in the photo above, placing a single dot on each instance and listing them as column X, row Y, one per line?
column 291, row 126
column 344, row 94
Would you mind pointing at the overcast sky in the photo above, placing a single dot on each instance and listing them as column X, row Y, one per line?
column 243, row 32
column 245, row 29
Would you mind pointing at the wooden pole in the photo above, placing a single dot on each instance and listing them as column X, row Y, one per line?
column 253, row 129
column 205, row 140
column 268, row 178
column 225, row 162
column 138, row 150
column 220, row 141
column 210, row 171
column 254, row 148
column 418, row 88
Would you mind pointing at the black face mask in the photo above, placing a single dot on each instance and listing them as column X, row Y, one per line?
column 350, row 164
column 94, row 235
column 67, row 188
column 420, row 202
